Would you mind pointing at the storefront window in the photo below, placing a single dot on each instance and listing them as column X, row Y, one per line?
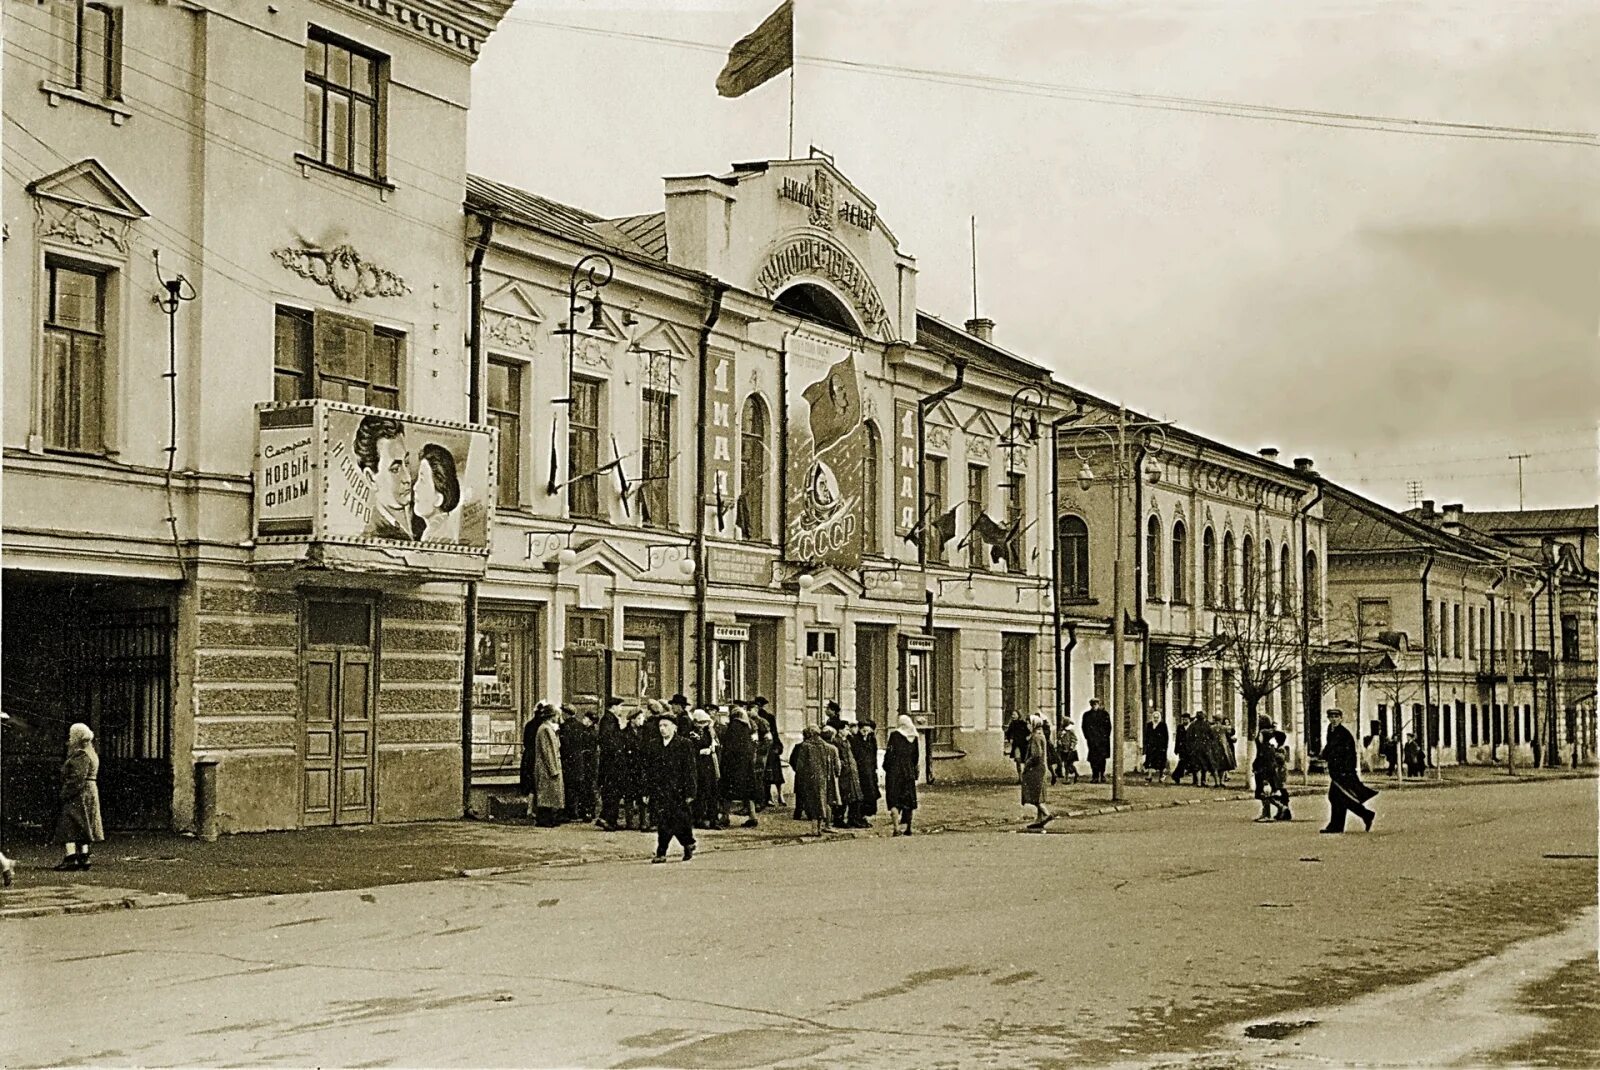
column 502, row 692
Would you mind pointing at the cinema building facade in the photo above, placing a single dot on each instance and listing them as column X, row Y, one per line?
column 752, row 467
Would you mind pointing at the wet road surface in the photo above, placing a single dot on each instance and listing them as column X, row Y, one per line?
column 1148, row 939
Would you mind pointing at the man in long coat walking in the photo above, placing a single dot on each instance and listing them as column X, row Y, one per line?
column 739, row 782
column 1096, row 725
column 672, row 761
column 864, row 746
column 1346, row 792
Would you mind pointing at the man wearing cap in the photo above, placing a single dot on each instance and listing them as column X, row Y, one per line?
column 672, row 788
column 1346, row 792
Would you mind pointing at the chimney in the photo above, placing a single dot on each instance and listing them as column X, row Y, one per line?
column 1452, row 518
column 981, row 328
column 1269, row 454
column 1427, row 512
column 1304, row 466
column 699, row 212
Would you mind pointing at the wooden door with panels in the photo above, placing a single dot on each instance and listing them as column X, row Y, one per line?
column 338, row 762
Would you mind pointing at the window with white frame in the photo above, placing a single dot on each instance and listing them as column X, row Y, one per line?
column 655, row 496
column 344, row 102
column 75, row 355
column 87, row 36
column 505, row 414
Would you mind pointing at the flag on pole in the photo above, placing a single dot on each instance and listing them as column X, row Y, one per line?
column 761, row 55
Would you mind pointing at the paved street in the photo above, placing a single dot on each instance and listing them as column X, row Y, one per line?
column 1167, row 936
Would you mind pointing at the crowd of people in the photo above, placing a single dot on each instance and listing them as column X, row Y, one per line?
column 669, row 768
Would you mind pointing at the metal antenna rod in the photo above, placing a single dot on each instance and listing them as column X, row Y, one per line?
column 1519, row 458
column 974, row 267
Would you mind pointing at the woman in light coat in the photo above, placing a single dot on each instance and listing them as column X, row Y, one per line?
column 1035, row 763
column 79, row 824
column 549, row 786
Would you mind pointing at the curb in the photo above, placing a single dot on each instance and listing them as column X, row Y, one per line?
column 146, row 900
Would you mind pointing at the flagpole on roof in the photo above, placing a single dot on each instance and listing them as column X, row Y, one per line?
column 791, row 113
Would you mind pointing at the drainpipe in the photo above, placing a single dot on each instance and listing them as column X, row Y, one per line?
column 1494, row 690
column 1305, row 635
column 1538, row 737
column 480, row 247
column 1139, row 593
column 1063, row 658
column 1553, row 666
column 714, row 290
column 1427, row 652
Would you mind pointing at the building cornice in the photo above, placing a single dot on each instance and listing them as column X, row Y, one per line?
column 461, row 26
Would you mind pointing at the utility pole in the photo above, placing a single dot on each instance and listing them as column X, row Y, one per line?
column 1519, row 458
column 1510, row 601
column 1117, row 698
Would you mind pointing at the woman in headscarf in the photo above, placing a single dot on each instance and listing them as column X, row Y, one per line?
column 79, row 824
column 1034, row 762
column 901, row 764
column 549, row 785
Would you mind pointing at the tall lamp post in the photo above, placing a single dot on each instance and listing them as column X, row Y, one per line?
column 1150, row 435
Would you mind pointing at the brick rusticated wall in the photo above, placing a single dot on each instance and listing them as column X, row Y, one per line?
column 247, row 702
column 419, row 707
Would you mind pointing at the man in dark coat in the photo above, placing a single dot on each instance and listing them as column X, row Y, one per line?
column 611, row 763
column 672, row 789
column 739, row 782
column 1096, row 725
column 1185, row 748
column 578, row 763
column 1017, row 736
column 1346, row 792
column 864, row 745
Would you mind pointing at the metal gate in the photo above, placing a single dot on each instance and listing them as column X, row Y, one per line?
column 121, row 687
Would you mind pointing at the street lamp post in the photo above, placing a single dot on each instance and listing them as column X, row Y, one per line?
column 1152, row 435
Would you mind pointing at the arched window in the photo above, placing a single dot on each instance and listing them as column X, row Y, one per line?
column 1227, row 570
column 751, row 509
column 1152, row 560
column 1249, row 597
column 871, row 492
column 1180, row 563
column 1285, row 579
column 1269, row 589
column 1311, row 587
column 1208, row 569
column 1072, row 536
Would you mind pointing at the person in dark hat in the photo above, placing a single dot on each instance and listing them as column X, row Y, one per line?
column 1346, row 792
column 835, row 716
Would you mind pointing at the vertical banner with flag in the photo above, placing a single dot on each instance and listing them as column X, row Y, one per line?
column 827, row 449
column 761, row 55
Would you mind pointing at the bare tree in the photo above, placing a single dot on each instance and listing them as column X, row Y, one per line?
column 1262, row 637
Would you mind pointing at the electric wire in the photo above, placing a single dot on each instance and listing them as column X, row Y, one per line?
column 1124, row 98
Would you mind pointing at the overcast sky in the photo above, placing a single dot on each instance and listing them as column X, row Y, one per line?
column 1397, row 307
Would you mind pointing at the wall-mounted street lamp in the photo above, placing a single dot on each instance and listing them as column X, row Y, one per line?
column 553, row 549
column 1151, row 435
column 589, row 276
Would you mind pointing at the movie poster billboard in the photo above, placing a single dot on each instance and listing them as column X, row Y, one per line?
column 827, row 442
column 345, row 473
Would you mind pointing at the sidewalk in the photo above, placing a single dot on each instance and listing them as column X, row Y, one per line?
column 152, row 869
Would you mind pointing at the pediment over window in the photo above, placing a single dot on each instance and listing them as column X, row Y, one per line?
column 88, row 185
column 511, row 299
column 664, row 336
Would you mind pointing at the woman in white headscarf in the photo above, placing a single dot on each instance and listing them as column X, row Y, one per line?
column 901, row 765
column 79, row 824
